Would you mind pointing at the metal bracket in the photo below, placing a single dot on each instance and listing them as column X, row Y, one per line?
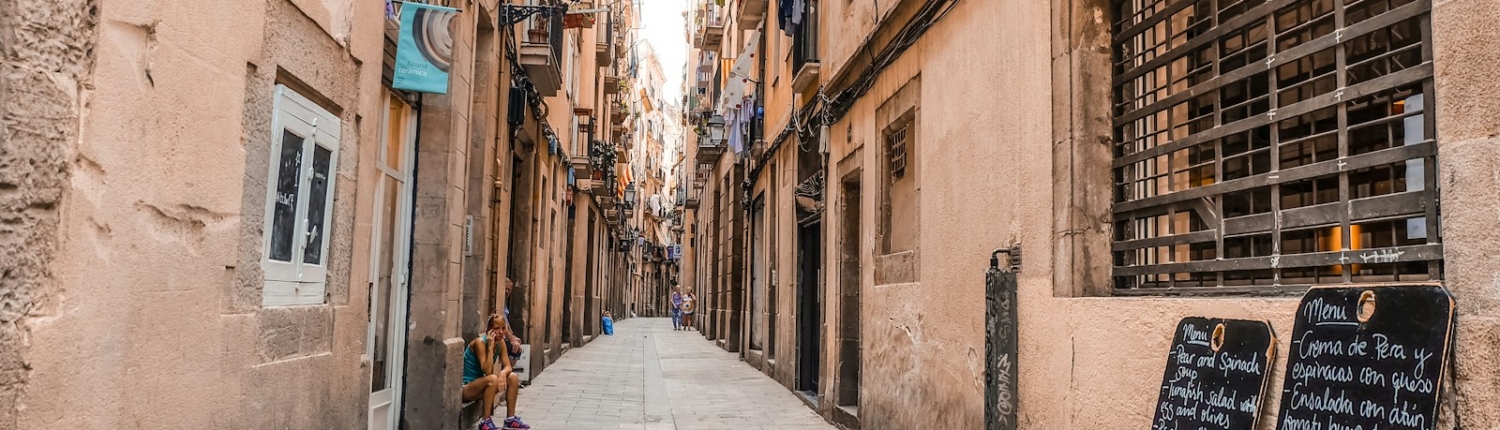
column 1014, row 264
column 512, row 14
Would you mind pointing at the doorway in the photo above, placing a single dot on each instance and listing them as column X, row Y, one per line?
column 516, row 298
column 390, row 253
column 592, row 280
column 848, row 304
column 809, row 309
column 568, row 299
column 757, row 278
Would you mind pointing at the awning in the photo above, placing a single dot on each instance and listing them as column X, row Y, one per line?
column 739, row 76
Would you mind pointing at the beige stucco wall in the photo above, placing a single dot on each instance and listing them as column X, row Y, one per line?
column 157, row 304
column 40, row 86
column 986, row 148
column 1005, row 89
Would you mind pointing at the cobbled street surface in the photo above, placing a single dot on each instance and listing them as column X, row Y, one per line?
column 648, row 376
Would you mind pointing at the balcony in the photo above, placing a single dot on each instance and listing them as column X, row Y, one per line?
column 583, row 167
column 696, row 35
column 805, row 63
column 598, row 186
column 607, row 199
column 707, row 61
column 611, row 84
column 806, row 77
column 541, row 52
column 709, row 150
column 603, row 49
column 580, row 19
column 713, row 28
column 752, row 12
column 619, row 114
column 603, row 55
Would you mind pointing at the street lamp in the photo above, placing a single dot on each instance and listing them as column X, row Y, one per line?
column 716, row 130
column 630, row 195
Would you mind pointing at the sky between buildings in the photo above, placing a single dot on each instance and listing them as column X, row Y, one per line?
column 662, row 23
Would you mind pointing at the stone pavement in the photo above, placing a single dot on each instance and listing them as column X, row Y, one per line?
column 648, row 376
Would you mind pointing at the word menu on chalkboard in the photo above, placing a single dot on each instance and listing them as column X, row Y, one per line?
column 1367, row 357
column 1216, row 375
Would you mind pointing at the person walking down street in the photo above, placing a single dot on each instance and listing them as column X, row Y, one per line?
column 689, row 301
column 677, row 308
column 608, row 322
column 483, row 381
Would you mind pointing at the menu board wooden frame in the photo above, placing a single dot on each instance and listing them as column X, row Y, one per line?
column 1367, row 356
column 1216, row 375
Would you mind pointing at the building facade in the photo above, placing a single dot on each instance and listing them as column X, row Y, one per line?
column 1152, row 160
column 231, row 212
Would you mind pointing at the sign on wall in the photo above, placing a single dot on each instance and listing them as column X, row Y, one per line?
column 424, row 53
column 1216, row 375
column 1368, row 357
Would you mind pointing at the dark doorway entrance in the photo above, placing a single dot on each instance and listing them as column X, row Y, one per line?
column 848, row 300
column 757, row 278
column 592, row 280
column 568, row 300
column 809, row 308
column 516, row 298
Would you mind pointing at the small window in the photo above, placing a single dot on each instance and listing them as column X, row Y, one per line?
column 299, row 201
column 896, row 144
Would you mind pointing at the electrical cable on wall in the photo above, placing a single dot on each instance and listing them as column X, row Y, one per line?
column 828, row 111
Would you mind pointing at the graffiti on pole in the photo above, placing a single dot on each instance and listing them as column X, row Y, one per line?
column 1000, row 372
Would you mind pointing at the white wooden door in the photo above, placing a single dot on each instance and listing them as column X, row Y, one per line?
column 390, row 252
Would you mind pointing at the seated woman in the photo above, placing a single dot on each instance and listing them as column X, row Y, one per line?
column 482, row 381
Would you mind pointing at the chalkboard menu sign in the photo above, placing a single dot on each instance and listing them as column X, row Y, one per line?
column 1367, row 357
column 1216, row 375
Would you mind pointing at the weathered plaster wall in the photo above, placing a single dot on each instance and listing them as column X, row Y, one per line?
column 436, row 338
column 1094, row 363
column 158, row 280
column 46, row 63
column 845, row 25
column 1466, row 42
column 1037, row 120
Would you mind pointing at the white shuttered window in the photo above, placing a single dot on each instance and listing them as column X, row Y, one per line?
column 299, row 201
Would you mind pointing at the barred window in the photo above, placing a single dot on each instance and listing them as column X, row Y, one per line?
column 1266, row 145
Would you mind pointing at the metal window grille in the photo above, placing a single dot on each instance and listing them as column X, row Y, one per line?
column 896, row 143
column 1266, row 145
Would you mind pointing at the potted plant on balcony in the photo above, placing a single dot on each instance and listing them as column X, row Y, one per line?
column 538, row 32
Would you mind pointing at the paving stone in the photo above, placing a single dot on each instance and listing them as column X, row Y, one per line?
column 649, row 377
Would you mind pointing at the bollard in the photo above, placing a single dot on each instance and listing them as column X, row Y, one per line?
column 1000, row 372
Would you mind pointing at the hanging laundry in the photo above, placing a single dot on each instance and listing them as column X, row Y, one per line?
column 784, row 16
column 799, row 7
column 739, row 75
column 736, row 131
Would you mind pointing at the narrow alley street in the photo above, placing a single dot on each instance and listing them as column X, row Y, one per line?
column 648, row 376
column 880, row 214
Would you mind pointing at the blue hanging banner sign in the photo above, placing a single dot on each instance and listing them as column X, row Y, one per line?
column 424, row 53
